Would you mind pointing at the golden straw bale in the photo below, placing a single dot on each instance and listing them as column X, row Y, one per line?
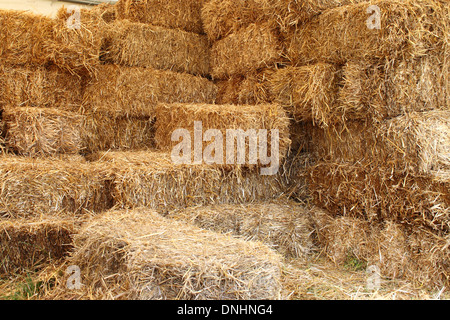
column 418, row 143
column 376, row 193
column 152, row 179
column 42, row 131
column 143, row 45
column 256, row 47
column 133, row 255
column 102, row 131
column 124, row 91
column 77, row 45
column 224, row 17
column 399, row 251
column 51, row 186
column 252, row 88
column 308, row 92
column 174, row 14
column 24, row 38
column 282, row 226
column 431, row 255
column 291, row 13
column 408, row 29
column 170, row 117
column 40, row 87
column 386, row 90
column 29, row 245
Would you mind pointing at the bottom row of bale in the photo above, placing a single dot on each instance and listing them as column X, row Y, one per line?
column 220, row 251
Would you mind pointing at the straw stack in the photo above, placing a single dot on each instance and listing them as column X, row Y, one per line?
column 133, row 255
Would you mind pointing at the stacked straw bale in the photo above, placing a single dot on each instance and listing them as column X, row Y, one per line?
column 173, row 14
column 151, row 179
column 135, row 91
column 78, row 48
column 253, row 88
column 119, row 104
column 24, row 38
column 29, row 245
column 143, row 45
column 352, row 189
column 400, row 252
column 170, row 117
column 254, row 47
column 309, row 92
column 51, row 186
column 282, row 226
column 408, row 29
column 416, row 143
column 224, row 17
column 40, row 87
column 132, row 254
column 42, row 131
column 386, row 90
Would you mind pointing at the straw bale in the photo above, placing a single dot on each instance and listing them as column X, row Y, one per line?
column 400, row 252
column 224, row 17
column 28, row 245
column 134, row 92
column 408, row 29
column 78, row 49
column 36, row 186
column 418, row 143
column 133, row 255
column 24, row 38
column 308, row 92
column 282, row 226
column 174, row 14
column 252, row 88
column 170, row 117
column 386, row 90
column 255, row 47
column 42, row 131
column 151, row 179
column 432, row 256
column 143, row 45
column 39, row 87
column 291, row 13
column 100, row 132
column 376, row 193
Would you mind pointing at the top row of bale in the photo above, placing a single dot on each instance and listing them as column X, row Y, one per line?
column 244, row 36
